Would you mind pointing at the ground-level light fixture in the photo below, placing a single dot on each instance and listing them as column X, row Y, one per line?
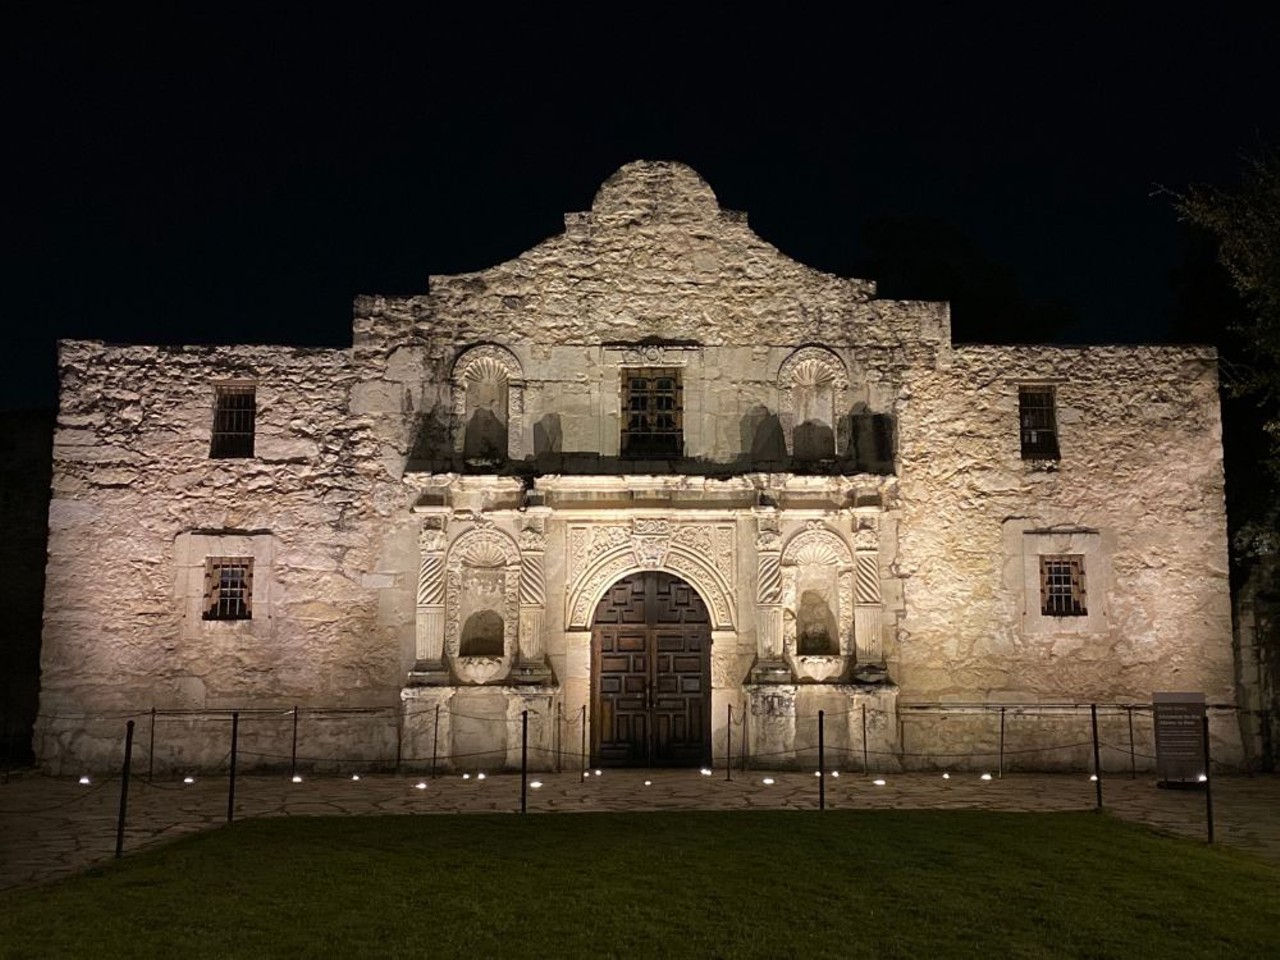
column 705, row 771
column 536, row 784
column 420, row 785
column 767, row 781
column 84, row 781
column 296, row 778
column 188, row 779
column 946, row 776
column 878, row 783
column 479, row 776
column 355, row 776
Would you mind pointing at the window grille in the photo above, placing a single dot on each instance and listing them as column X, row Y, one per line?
column 228, row 588
column 1039, row 422
column 233, row 416
column 653, row 424
column 1062, row 586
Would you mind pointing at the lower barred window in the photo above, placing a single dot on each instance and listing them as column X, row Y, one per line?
column 1062, row 591
column 228, row 588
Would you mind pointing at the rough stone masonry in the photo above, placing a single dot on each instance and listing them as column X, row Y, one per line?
column 655, row 486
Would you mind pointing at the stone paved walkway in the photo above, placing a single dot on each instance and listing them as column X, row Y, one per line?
column 52, row 828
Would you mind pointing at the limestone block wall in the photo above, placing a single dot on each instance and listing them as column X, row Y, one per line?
column 1138, row 489
column 655, row 259
column 137, row 504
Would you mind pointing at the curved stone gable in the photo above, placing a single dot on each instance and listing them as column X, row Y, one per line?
column 656, row 257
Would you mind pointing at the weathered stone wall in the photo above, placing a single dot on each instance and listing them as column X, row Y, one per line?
column 1140, row 468
column 654, row 260
column 137, row 504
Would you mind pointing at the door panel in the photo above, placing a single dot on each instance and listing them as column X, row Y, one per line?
column 651, row 677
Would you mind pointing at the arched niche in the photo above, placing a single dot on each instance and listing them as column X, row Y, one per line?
column 488, row 404
column 818, row 603
column 812, row 386
column 482, row 605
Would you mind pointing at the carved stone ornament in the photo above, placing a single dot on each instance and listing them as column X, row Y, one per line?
column 433, row 536
column 703, row 554
column 654, row 354
column 532, row 538
column 865, row 537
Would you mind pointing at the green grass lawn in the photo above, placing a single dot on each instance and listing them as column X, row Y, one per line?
column 773, row 884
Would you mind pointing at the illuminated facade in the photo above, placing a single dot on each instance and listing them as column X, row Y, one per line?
column 652, row 476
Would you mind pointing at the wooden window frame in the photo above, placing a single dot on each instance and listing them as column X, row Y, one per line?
column 652, row 417
column 228, row 588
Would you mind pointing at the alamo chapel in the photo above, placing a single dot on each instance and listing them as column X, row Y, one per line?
column 655, row 483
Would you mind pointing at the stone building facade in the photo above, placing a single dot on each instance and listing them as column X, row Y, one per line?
column 665, row 489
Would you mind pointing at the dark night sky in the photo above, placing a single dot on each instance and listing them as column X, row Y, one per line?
column 227, row 177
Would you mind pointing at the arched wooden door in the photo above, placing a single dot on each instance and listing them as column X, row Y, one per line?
column 651, row 674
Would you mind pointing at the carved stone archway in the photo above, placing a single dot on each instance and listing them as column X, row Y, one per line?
column 699, row 553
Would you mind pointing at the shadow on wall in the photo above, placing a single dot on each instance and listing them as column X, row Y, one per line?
column 866, row 439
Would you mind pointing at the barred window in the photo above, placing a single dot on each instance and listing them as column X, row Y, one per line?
column 228, row 588
column 233, row 415
column 1062, row 586
column 653, row 415
column 1039, row 421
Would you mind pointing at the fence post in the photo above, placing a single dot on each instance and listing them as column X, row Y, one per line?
column 524, row 761
column 124, row 788
column 728, row 744
column 399, row 737
column 4, row 733
column 822, row 762
column 1208, row 780
column 151, row 748
column 746, row 713
column 231, row 781
column 1000, row 768
column 1097, row 760
column 293, row 753
column 435, row 740
column 559, row 735
column 1133, row 756
column 864, row 739
column 583, row 775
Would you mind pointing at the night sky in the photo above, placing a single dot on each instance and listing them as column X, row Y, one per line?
column 237, row 177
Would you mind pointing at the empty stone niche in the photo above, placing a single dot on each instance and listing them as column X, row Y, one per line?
column 482, row 644
column 488, row 395
column 817, row 584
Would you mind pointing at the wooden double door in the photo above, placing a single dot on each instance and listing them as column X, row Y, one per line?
column 651, row 674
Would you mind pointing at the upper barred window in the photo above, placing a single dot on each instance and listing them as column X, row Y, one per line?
column 234, row 411
column 653, row 413
column 1062, row 586
column 1039, row 422
column 228, row 588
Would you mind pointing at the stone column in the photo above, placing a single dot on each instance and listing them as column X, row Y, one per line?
column 771, row 665
column 532, row 667
column 429, row 668
column 867, row 612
